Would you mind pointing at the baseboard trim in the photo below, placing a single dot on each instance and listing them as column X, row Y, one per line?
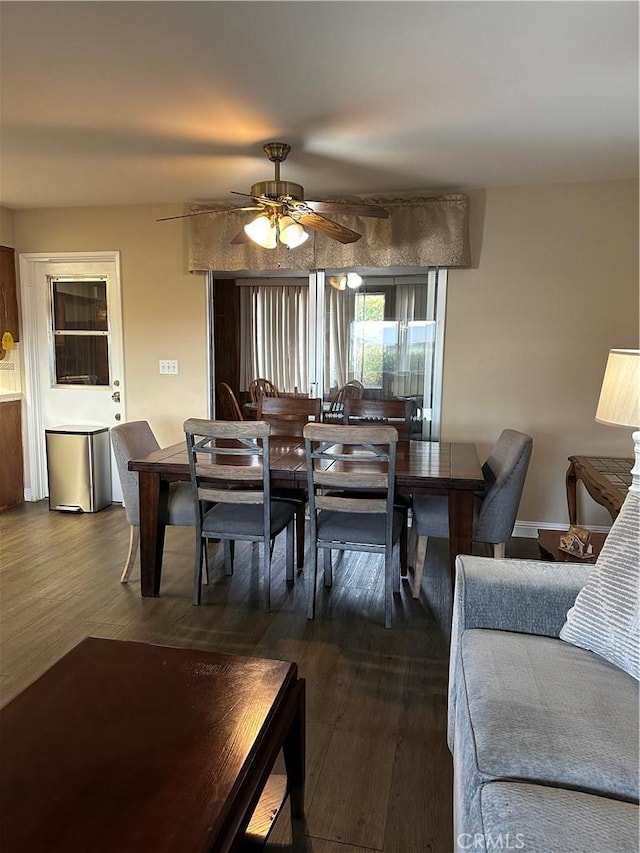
column 529, row 529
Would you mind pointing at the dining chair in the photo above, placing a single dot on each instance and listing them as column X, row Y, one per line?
column 133, row 440
column 289, row 416
column 262, row 388
column 351, row 480
column 397, row 413
column 229, row 407
column 231, row 492
column 351, row 390
column 496, row 505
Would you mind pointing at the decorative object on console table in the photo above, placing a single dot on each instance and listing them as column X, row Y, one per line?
column 577, row 542
column 549, row 545
column 619, row 402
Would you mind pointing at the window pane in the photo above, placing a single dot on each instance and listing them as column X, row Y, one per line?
column 79, row 306
column 82, row 360
column 383, row 334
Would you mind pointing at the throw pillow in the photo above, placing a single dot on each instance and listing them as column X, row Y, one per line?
column 605, row 617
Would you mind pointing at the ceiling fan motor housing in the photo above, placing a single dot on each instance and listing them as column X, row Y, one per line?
column 277, row 190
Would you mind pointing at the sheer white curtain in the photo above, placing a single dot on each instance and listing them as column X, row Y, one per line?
column 412, row 301
column 273, row 335
column 340, row 313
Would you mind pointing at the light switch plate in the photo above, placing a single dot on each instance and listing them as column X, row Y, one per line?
column 168, row 365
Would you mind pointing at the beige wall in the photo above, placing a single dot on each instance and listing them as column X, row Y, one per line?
column 554, row 287
column 7, row 230
column 164, row 306
column 529, row 329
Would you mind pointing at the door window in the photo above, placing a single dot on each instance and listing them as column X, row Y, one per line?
column 80, row 331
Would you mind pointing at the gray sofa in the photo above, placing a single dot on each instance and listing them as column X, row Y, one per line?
column 544, row 734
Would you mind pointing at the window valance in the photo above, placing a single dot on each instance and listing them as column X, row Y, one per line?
column 420, row 232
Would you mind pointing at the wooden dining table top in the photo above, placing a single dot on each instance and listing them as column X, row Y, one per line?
column 419, row 464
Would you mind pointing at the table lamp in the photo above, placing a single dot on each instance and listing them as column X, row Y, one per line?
column 619, row 402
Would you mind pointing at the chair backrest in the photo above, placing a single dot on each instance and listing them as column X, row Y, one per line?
column 396, row 413
column 355, row 462
column 353, row 390
column 229, row 407
column 289, row 415
column 224, row 454
column 131, row 441
column 262, row 388
column 504, row 471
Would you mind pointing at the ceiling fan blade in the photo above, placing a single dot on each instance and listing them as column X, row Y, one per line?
column 348, row 208
column 241, row 237
column 328, row 227
column 200, row 212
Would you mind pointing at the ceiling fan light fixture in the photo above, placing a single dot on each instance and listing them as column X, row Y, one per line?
column 292, row 234
column 262, row 231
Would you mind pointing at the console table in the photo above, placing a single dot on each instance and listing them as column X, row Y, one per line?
column 606, row 479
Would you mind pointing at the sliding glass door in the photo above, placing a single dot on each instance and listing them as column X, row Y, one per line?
column 316, row 332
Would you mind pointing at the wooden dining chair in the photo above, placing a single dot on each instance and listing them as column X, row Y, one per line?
column 351, row 390
column 351, row 480
column 397, row 413
column 229, row 407
column 289, row 416
column 134, row 440
column 231, row 490
column 262, row 388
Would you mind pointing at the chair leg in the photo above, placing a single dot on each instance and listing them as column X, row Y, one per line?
column 134, row 539
column 300, row 522
column 229, row 551
column 313, row 581
column 289, row 552
column 404, row 545
column 328, row 568
column 388, row 588
column 266, row 574
column 499, row 550
column 421, row 553
column 201, row 545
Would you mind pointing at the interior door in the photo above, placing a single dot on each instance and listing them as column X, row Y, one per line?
column 75, row 349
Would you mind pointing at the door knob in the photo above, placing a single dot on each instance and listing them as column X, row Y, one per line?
column 116, row 396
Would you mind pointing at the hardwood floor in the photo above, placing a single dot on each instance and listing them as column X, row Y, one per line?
column 379, row 772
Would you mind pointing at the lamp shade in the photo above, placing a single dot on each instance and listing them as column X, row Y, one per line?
column 619, row 401
column 262, row 231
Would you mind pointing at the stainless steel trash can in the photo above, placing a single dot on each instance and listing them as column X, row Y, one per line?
column 79, row 468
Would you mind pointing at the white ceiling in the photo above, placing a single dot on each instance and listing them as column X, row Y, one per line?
column 137, row 102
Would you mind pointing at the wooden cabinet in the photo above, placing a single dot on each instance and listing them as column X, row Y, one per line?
column 8, row 293
column 11, row 464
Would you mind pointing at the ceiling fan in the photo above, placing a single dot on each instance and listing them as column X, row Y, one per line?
column 284, row 213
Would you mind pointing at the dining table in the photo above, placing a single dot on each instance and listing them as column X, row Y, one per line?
column 422, row 467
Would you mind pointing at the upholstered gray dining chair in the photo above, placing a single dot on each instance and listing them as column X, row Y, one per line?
column 131, row 441
column 495, row 508
column 351, row 479
column 231, row 494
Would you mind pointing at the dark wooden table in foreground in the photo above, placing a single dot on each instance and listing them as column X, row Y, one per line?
column 132, row 748
column 427, row 467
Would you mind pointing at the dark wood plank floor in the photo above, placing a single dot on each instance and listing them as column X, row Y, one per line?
column 378, row 769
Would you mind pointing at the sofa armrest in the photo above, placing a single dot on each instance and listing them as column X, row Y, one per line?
column 524, row 596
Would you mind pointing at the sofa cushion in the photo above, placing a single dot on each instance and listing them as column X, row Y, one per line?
column 606, row 615
column 525, row 817
column 544, row 711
